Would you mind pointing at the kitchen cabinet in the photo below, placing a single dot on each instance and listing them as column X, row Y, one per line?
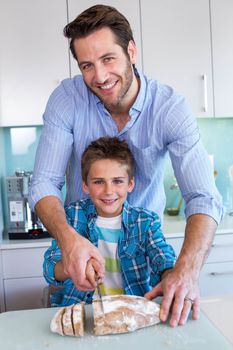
column 21, row 276
column 176, row 45
column 22, row 279
column 130, row 9
column 216, row 276
column 33, row 59
column 222, row 45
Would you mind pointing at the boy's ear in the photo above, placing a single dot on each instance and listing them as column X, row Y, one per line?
column 85, row 188
column 131, row 185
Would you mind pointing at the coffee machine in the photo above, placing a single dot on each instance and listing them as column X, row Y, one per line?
column 23, row 223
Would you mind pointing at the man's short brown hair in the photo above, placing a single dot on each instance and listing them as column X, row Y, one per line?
column 107, row 148
column 98, row 17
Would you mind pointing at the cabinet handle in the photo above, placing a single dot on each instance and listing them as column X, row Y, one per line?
column 222, row 273
column 226, row 245
column 205, row 108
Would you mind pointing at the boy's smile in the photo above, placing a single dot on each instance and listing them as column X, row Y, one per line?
column 108, row 185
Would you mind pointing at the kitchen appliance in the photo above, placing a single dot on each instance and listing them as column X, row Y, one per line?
column 23, row 223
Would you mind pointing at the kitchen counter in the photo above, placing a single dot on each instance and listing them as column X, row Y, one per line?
column 29, row 329
column 220, row 311
column 173, row 226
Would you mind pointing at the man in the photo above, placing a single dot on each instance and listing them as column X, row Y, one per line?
column 112, row 98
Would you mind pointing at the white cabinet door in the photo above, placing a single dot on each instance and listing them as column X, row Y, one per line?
column 216, row 279
column 33, row 58
column 177, row 49
column 130, row 9
column 25, row 262
column 222, row 33
column 24, row 293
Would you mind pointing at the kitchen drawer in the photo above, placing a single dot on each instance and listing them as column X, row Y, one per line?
column 25, row 262
column 24, row 293
column 221, row 250
column 216, row 279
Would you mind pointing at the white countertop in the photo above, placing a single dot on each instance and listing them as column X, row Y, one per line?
column 173, row 227
column 29, row 329
column 219, row 311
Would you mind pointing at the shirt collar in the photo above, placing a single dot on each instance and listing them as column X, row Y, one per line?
column 91, row 213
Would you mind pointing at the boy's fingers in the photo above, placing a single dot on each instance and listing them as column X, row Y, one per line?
column 94, row 272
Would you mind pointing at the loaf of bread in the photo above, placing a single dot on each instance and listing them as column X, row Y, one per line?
column 123, row 314
column 69, row 320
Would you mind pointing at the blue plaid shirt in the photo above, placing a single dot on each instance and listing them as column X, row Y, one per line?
column 142, row 249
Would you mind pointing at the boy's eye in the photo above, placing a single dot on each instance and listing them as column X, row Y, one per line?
column 98, row 182
column 118, row 181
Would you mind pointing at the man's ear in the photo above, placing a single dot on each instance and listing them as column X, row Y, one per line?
column 85, row 187
column 131, row 185
column 132, row 51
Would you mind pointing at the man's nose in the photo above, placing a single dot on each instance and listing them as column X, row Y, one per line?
column 100, row 74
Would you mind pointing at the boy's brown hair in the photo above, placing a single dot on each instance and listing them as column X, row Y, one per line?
column 98, row 17
column 107, row 148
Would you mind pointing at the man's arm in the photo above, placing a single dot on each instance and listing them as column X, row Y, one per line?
column 76, row 250
column 182, row 281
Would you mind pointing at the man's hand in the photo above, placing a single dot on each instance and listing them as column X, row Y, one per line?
column 76, row 251
column 179, row 286
column 180, row 295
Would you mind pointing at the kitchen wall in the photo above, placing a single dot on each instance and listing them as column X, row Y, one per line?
column 18, row 147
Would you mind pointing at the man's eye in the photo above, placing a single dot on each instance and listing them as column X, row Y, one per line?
column 86, row 66
column 108, row 59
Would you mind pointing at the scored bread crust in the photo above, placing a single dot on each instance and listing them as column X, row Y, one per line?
column 69, row 320
column 123, row 314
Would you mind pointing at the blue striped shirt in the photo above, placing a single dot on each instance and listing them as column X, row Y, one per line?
column 160, row 122
column 142, row 250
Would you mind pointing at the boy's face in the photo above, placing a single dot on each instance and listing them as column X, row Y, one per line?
column 108, row 185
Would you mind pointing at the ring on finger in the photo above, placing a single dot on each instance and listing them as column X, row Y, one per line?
column 189, row 299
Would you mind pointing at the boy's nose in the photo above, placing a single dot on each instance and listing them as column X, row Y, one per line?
column 108, row 188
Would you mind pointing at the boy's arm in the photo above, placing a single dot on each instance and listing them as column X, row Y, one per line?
column 52, row 257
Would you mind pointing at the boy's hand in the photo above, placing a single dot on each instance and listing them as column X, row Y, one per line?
column 94, row 272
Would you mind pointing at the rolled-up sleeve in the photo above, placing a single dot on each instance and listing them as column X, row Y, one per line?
column 51, row 257
column 161, row 254
column 191, row 165
column 54, row 149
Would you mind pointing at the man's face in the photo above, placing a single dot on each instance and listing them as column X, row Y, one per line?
column 108, row 185
column 106, row 69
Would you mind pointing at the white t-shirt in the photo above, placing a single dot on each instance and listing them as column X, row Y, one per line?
column 109, row 231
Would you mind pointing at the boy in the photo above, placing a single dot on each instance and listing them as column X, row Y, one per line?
column 130, row 240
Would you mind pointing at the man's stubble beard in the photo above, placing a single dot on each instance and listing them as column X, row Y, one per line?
column 128, row 80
